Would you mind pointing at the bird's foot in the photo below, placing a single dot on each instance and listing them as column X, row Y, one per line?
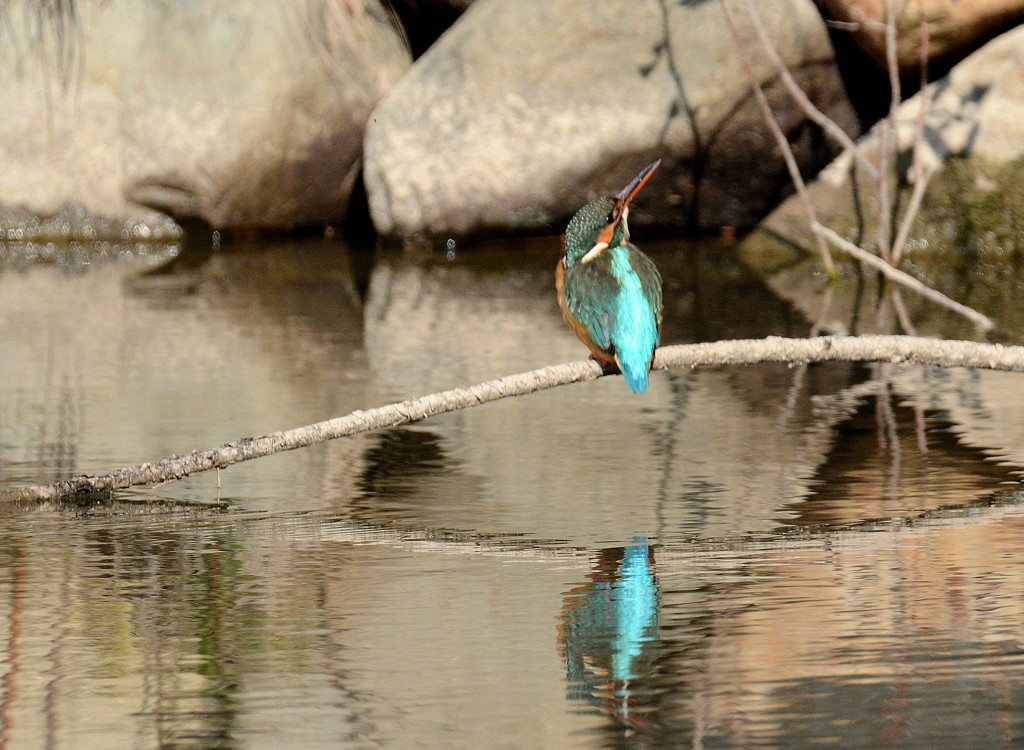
column 607, row 368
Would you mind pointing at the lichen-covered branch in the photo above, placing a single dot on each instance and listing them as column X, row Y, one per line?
column 898, row 349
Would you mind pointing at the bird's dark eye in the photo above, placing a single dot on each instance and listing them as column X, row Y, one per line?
column 610, row 218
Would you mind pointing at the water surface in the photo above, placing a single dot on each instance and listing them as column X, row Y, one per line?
column 763, row 556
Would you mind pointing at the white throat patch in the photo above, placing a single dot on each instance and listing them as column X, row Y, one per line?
column 593, row 252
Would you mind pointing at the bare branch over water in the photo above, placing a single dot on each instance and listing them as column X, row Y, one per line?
column 895, row 349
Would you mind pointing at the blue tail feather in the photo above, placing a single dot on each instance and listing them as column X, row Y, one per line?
column 636, row 377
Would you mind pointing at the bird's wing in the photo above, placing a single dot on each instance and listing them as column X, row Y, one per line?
column 590, row 294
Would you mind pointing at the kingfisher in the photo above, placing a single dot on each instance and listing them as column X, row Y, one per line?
column 609, row 291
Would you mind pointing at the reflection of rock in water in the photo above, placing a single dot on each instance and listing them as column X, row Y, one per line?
column 689, row 457
column 255, row 341
column 406, row 474
column 878, row 466
column 983, row 407
column 857, row 638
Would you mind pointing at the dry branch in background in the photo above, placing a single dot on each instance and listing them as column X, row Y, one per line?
column 780, row 139
column 897, row 349
column 918, row 175
column 889, row 250
column 826, row 123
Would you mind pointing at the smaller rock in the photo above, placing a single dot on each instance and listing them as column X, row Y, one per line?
column 973, row 147
column 955, row 27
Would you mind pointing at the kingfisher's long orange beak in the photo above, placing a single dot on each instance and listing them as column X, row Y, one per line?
column 622, row 202
column 629, row 192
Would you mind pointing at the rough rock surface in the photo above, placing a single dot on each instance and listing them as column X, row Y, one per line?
column 523, row 111
column 239, row 114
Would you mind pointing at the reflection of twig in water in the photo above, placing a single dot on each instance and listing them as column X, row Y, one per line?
column 888, row 433
column 789, row 406
column 919, row 423
column 908, row 328
column 800, row 371
column 897, row 349
column 667, row 444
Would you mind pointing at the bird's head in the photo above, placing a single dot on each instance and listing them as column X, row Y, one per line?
column 602, row 223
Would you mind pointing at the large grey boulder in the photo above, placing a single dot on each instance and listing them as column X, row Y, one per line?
column 523, row 111
column 238, row 113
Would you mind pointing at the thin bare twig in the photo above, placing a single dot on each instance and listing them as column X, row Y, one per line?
column 887, row 137
column 897, row 349
column 901, row 313
column 917, row 172
column 887, row 131
column 780, row 138
column 825, row 122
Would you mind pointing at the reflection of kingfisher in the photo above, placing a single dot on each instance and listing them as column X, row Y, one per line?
column 611, row 635
column 609, row 291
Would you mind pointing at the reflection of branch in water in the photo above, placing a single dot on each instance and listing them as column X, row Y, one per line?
column 795, row 388
column 896, row 349
column 666, row 444
column 919, row 423
column 888, row 435
column 908, row 328
column 301, row 528
column 800, row 371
